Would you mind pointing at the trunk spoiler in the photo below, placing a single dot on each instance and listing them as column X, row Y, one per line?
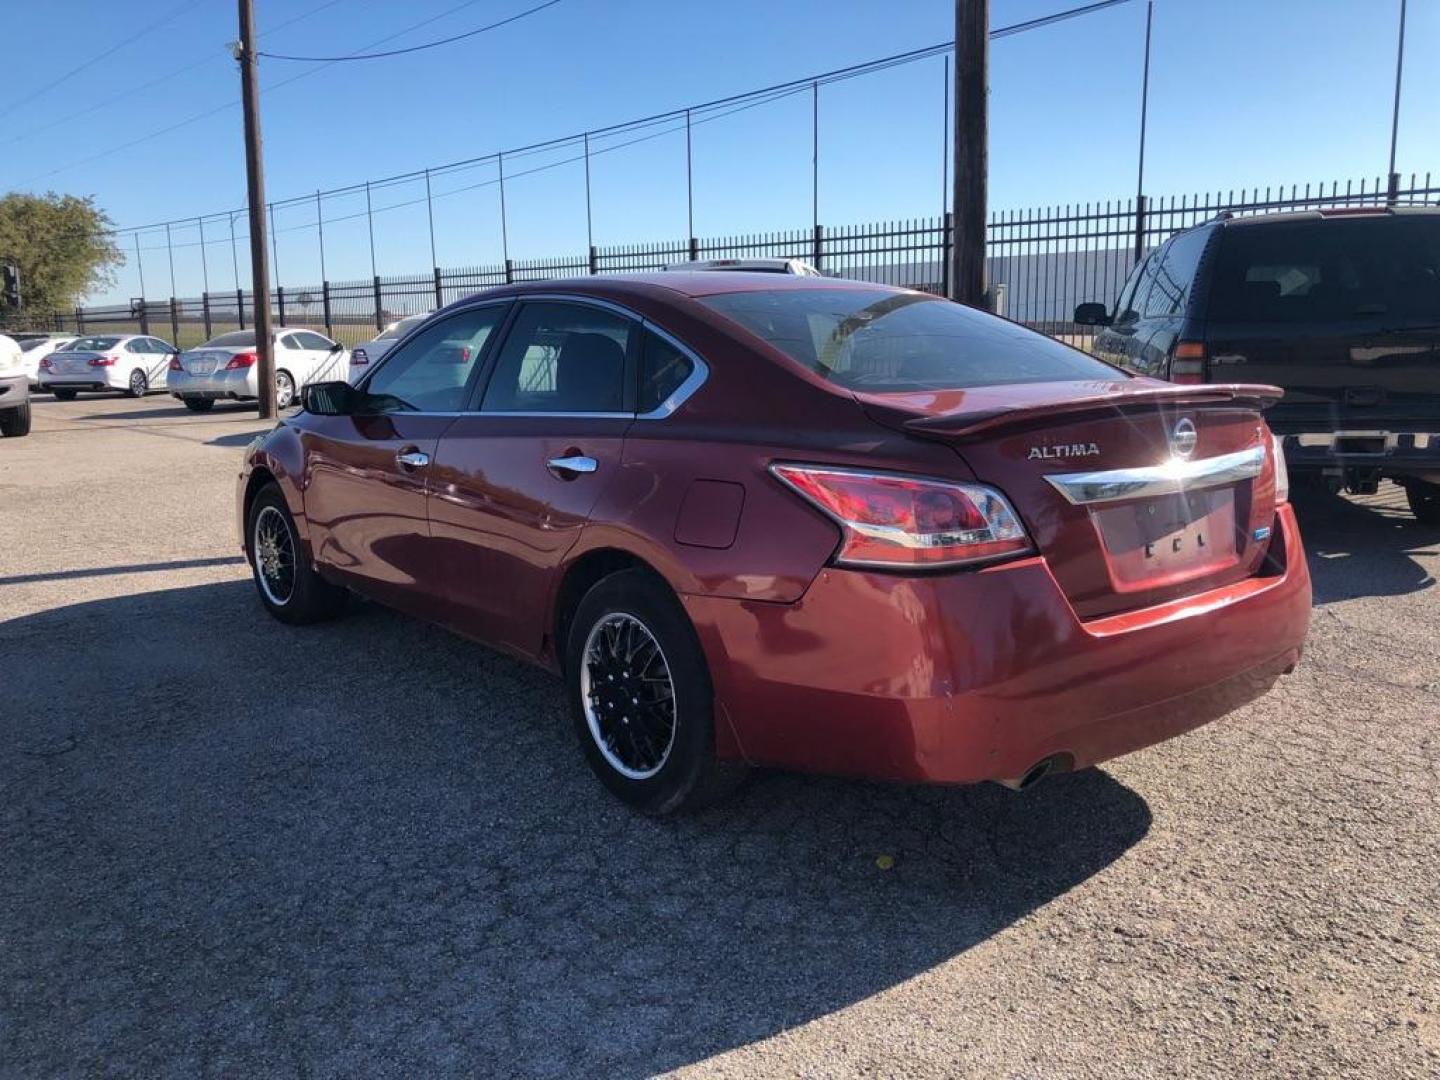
column 968, row 423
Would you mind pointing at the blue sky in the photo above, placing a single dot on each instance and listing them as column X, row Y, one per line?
column 1243, row 93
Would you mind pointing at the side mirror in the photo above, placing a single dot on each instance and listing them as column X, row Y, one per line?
column 337, row 347
column 330, row 399
column 1092, row 314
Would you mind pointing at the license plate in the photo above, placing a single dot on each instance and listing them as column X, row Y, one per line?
column 201, row 367
column 1160, row 541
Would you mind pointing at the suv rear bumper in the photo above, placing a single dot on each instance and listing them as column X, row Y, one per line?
column 1393, row 453
column 963, row 677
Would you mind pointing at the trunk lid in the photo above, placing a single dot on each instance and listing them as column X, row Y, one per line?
column 207, row 361
column 1099, row 472
column 72, row 363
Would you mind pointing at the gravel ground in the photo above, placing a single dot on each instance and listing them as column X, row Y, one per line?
column 229, row 847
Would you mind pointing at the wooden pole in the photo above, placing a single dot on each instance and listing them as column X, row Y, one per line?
column 255, row 193
column 972, row 87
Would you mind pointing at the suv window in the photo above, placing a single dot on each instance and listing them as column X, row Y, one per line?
column 1125, row 309
column 880, row 341
column 663, row 368
column 1330, row 270
column 1174, row 273
column 432, row 372
column 565, row 358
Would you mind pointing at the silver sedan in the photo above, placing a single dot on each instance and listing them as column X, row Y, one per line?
column 224, row 368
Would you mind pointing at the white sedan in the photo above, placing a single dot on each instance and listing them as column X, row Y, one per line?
column 367, row 352
column 35, row 347
column 133, row 363
column 224, row 368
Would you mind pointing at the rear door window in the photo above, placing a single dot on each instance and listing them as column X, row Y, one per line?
column 562, row 358
column 1385, row 269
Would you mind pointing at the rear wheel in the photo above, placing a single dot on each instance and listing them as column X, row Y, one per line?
column 15, row 422
column 641, row 699
column 138, row 384
column 288, row 585
column 199, row 404
column 1424, row 501
column 64, row 395
column 284, row 390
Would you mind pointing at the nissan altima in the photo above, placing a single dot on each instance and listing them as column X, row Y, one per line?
column 752, row 519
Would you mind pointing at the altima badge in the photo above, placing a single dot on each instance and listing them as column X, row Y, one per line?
column 1065, row 450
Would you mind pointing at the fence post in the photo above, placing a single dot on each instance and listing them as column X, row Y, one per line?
column 79, row 320
column 1140, row 204
column 694, row 249
column 205, row 311
column 325, row 299
column 379, row 319
column 240, row 307
column 280, row 302
column 947, row 237
column 144, row 316
column 439, row 293
column 594, row 260
column 817, row 245
column 174, row 323
column 509, row 271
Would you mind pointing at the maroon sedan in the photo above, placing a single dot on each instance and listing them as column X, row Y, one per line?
column 797, row 522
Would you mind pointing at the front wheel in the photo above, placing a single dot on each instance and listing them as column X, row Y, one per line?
column 641, row 699
column 284, row 390
column 15, row 422
column 199, row 404
column 138, row 384
column 1424, row 501
column 288, row 585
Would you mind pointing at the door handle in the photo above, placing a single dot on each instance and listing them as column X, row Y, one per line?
column 572, row 463
column 412, row 459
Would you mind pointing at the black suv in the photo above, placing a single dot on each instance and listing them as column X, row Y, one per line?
column 1341, row 308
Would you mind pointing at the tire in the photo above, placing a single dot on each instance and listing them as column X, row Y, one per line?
column 199, row 404
column 64, row 395
column 284, row 390
column 138, row 384
column 15, row 422
column 293, row 593
column 1424, row 501
column 632, row 612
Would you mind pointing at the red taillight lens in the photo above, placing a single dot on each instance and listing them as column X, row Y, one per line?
column 46, row 365
column 359, row 357
column 903, row 521
column 102, row 361
column 1188, row 363
column 241, row 360
column 175, row 363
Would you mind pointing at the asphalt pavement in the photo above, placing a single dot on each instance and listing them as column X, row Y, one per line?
column 234, row 848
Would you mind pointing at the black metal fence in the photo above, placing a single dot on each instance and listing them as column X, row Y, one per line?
column 1040, row 263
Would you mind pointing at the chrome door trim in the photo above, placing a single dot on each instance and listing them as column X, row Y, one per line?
column 1173, row 477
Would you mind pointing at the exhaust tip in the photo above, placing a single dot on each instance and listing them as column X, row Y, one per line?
column 1055, row 763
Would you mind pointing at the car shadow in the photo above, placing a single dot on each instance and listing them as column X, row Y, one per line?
column 1366, row 546
column 228, row 411
column 234, row 845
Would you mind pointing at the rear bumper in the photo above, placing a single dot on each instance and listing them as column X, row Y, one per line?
column 106, row 378
column 965, row 677
column 239, row 384
column 14, row 391
column 1391, row 452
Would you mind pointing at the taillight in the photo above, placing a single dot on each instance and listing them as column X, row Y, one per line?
column 892, row 520
column 175, row 363
column 1188, row 363
column 102, row 361
column 359, row 357
column 241, row 360
column 46, row 365
column 1282, row 472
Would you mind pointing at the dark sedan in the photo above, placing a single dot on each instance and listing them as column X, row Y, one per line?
column 799, row 522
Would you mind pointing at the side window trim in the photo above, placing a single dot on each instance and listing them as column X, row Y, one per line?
column 632, row 359
column 698, row 374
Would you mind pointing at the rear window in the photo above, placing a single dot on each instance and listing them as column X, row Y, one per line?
column 1383, row 268
column 92, row 344
column 231, row 340
column 874, row 340
column 400, row 328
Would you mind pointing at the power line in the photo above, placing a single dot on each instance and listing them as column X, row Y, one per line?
column 41, row 90
column 414, row 48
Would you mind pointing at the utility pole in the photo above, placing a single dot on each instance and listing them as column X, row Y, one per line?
column 255, row 192
column 972, row 89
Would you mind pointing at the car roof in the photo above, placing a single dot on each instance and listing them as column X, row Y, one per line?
column 654, row 285
column 1338, row 213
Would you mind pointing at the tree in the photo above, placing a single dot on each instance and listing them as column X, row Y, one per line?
column 63, row 244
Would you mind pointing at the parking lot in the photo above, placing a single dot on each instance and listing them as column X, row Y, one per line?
column 232, row 847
